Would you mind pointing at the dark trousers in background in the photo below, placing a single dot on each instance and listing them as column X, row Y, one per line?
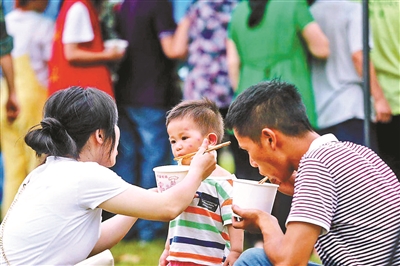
column 389, row 143
column 352, row 130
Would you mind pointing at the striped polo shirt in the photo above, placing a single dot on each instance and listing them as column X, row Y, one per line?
column 199, row 234
column 349, row 192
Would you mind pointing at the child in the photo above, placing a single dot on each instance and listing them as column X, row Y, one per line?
column 203, row 233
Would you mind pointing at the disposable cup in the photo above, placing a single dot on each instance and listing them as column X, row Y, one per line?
column 248, row 194
column 116, row 43
column 168, row 176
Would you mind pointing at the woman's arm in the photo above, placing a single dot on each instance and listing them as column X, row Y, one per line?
column 112, row 231
column 165, row 206
column 317, row 42
column 233, row 61
column 77, row 56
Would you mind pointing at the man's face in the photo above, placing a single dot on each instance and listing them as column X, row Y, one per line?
column 269, row 161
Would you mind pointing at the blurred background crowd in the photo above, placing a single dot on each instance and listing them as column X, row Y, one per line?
column 190, row 49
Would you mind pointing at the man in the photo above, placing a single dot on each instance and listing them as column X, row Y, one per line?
column 147, row 87
column 337, row 80
column 340, row 190
column 385, row 23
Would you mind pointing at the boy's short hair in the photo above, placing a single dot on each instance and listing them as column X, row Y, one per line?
column 274, row 104
column 204, row 113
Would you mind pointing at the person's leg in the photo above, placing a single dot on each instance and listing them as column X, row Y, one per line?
column 253, row 257
column 154, row 151
column 127, row 163
column 257, row 257
column 389, row 143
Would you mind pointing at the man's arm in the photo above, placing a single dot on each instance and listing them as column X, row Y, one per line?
column 175, row 46
column 381, row 105
column 292, row 248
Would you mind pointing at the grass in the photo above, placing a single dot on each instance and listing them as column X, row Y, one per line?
column 127, row 253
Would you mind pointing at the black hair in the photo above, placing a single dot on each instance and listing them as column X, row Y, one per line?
column 70, row 117
column 204, row 113
column 257, row 12
column 258, row 9
column 274, row 104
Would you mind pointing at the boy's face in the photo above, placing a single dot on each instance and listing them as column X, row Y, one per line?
column 185, row 137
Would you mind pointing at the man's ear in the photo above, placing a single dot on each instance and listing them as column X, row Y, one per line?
column 99, row 135
column 268, row 137
column 212, row 139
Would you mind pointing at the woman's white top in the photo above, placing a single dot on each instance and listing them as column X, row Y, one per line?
column 56, row 219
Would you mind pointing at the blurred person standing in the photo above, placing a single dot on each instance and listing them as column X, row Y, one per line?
column 6, row 64
column 272, row 39
column 260, row 50
column 384, row 17
column 205, row 25
column 147, row 87
column 337, row 81
column 32, row 34
column 78, row 54
column 204, row 31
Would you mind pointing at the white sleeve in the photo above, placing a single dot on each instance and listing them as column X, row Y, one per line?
column 47, row 40
column 77, row 27
column 355, row 29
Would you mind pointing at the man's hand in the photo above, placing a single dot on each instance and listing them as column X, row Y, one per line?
column 250, row 219
column 383, row 111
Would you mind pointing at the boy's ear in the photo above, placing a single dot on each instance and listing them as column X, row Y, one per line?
column 212, row 138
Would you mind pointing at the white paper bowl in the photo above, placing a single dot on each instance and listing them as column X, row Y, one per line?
column 168, row 176
column 248, row 194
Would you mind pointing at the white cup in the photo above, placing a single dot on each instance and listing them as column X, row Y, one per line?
column 168, row 176
column 248, row 194
column 120, row 44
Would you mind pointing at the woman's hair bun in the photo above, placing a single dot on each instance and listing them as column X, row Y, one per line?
column 52, row 126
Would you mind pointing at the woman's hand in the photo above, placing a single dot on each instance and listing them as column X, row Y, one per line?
column 203, row 162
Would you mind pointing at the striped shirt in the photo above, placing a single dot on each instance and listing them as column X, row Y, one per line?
column 355, row 197
column 199, row 234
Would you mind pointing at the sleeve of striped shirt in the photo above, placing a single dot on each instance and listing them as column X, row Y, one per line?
column 314, row 199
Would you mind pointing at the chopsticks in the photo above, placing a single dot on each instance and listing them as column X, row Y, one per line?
column 213, row 148
column 262, row 181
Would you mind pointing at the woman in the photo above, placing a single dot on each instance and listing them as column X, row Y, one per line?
column 78, row 54
column 204, row 28
column 271, row 39
column 56, row 215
